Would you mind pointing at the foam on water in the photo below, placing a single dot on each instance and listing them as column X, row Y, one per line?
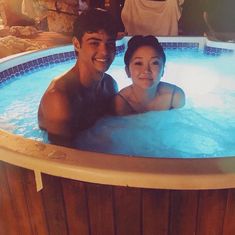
column 174, row 133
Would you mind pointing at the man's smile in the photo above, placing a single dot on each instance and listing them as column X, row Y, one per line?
column 105, row 60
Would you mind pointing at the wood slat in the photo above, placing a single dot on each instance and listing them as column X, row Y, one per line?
column 18, row 199
column 229, row 221
column 128, row 210
column 35, row 205
column 54, row 205
column 212, row 205
column 100, row 204
column 76, row 206
column 183, row 212
column 155, row 212
column 8, row 223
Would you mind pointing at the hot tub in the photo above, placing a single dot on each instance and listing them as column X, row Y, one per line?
column 47, row 189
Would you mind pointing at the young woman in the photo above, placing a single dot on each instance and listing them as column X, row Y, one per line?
column 144, row 64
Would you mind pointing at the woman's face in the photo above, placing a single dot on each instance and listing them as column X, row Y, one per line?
column 146, row 67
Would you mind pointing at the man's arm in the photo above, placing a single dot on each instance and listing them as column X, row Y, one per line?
column 54, row 116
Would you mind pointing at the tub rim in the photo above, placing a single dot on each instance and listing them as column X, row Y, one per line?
column 158, row 173
column 118, row 170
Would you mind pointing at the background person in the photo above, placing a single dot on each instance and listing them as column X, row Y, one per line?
column 191, row 22
column 76, row 99
column 145, row 60
column 219, row 16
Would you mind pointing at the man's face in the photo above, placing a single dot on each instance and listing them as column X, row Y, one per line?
column 96, row 50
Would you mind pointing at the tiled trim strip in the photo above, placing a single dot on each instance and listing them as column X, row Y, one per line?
column 214, row 51
column 70, row 55
column 35, row 64
column 43, row 62
column 180, row 45
column 120, row 49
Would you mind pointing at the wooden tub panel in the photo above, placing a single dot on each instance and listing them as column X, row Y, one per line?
column 54, row 205
column 76, row 206
column 183, row 212
column 100, row 206
column 128, row 209
column 229, row 221
column 211, row 212
column 155, row 211
column 26, row 202
column 8, row 223
column 66, row 207
column 34, row 204
column 19, row 199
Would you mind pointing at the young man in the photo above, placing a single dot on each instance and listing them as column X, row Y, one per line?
column 76, row 99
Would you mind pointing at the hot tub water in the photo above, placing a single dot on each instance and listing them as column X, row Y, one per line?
column 205, row 127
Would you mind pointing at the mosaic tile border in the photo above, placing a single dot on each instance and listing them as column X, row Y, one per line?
column 180, row 45
column 120, row 49
column 215, row 51
column 66, row 56
column 36, row 64
column 43, row 62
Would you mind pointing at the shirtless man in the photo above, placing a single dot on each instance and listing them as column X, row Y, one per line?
column 76, row 99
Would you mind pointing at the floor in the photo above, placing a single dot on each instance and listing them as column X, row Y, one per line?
column 13, row 45
column 52, row 38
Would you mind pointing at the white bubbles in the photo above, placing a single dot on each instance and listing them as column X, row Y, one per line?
column 174, row 133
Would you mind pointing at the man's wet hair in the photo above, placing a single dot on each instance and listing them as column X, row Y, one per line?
column 138, row 41
column 92, row 21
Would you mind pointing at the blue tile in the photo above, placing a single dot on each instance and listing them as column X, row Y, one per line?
column 1, row 77
column 66, row 56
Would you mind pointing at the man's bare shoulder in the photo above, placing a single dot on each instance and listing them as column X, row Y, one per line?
column 61, row 82
column 54, row 97
column 55, row 105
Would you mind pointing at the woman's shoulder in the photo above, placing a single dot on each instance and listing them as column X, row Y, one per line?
column 165, row 87
column 123, row 102
column 176, row 93
column 125, row 92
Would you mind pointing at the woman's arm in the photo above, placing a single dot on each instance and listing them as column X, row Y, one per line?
column 178, row 99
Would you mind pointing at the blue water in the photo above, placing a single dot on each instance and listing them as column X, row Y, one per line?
column 205, row 127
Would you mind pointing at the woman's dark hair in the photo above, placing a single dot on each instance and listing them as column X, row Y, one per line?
column 138, row 41
column 93, row 20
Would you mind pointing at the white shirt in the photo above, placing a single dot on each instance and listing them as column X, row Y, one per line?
column 146, row 17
